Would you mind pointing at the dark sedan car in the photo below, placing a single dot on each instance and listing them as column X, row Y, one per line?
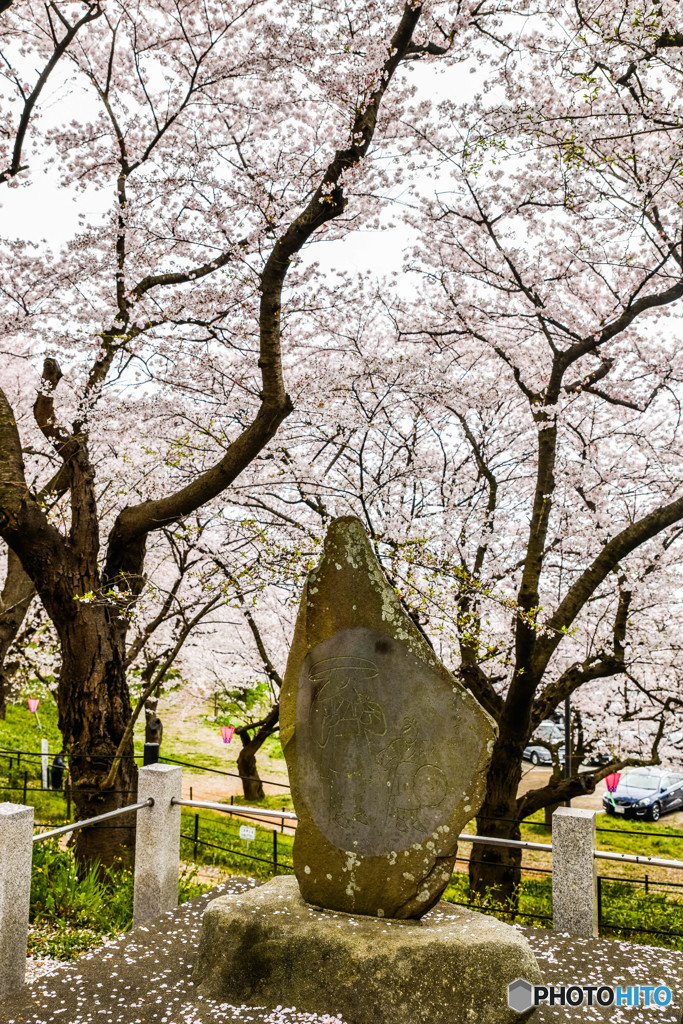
column 646, row 792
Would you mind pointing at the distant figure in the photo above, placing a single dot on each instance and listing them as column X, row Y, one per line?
column 153, row 730
column 57, row 771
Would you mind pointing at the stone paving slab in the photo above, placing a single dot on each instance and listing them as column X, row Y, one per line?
column 145, row 977
column 565, row 959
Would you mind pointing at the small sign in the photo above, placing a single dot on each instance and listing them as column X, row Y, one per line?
column 247, row 832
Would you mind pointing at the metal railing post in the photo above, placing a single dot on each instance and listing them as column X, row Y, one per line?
column 575, row 903
column 157, row 842
column 44, row 762
column 150, row 754
column 16, row 853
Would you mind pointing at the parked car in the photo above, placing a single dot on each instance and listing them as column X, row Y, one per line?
column 597, row 758
column 548, row 732
column 646, row 793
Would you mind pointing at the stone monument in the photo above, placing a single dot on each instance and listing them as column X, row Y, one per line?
column 387, row 756
column 386, row 752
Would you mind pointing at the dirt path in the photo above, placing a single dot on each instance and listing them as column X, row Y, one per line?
column 189, row 736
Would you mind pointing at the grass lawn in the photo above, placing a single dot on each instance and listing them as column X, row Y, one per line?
column 20, row 730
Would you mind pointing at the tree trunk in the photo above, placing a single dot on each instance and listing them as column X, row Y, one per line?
column 246, row 761
column 248, row 772
column 17, row 594
column 549, row 810
column 94, row 709
column 495, row 871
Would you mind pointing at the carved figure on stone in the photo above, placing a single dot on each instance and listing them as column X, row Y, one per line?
column 343, row 721
column 414, row 783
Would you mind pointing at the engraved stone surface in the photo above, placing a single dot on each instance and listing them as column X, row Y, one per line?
column 387, row 752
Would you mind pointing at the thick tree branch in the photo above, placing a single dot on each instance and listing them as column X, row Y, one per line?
column 587, row 382
column 599, row 667
column 619, row 547
column 158, row 280
column 44, row 408
column 478, row 683
column 23, row 523
column 265, row 728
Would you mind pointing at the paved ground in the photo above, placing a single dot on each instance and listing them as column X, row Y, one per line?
column 145, row 978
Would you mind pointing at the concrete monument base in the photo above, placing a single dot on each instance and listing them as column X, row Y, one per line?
column 267, row 946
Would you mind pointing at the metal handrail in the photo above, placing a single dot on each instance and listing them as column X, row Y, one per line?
column 265, row 812
column 634, row 858
column 521, row 844
column 149, row 802
column 291, row 816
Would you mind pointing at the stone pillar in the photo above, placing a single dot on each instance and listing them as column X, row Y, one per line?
column 16, row 853
column 575, row 896
column 44, row 762
column 157, row 843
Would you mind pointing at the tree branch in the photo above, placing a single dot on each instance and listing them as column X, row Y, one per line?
column 94, row 11
column 612, row 553
column 599, row 667
column 127, row 539
column 271, row 671
column 156, row 681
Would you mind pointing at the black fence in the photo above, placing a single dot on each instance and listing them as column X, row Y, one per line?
column 624, row 902
column 267, row 847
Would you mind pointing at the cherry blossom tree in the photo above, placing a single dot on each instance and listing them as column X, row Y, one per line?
column 436, row 449
column 229, row 134
column 554, row 256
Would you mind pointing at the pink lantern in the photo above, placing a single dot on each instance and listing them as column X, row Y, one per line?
column 226, row 732
column 33, row 703
column 612, row 781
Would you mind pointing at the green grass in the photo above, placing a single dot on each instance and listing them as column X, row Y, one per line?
column 50, row 807
column 272, row 746
column 72, row 911
column 627, row 909
column 226, row 849
column 613, row 835
column 19, row 730
column 274, row 801
column 534, row 900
